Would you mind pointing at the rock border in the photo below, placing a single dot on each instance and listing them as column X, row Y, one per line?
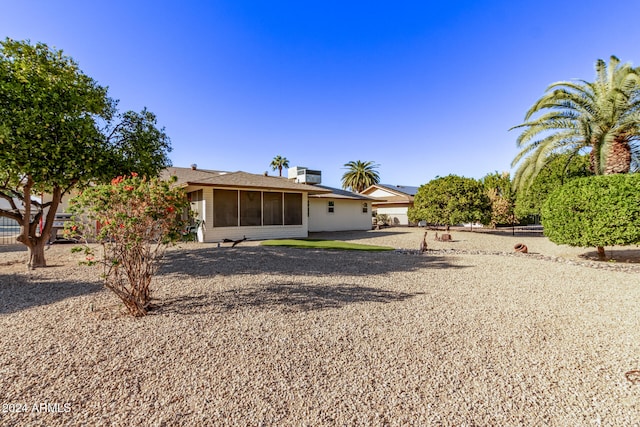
column 600, row 265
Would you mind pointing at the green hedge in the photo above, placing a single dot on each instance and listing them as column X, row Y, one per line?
column 594, row 211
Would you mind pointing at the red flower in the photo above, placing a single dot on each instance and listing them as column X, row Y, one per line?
column 128, row 188
column 170, row 209
column 134, row 174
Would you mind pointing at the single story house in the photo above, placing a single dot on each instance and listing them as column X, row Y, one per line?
column 234, row 205
column 392, row 200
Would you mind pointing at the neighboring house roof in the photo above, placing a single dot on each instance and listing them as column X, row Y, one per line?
column 336, row 193
column 403, row 189
column 397, row 194
column 198, row 177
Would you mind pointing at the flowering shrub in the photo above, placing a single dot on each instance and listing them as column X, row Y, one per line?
column 133, row 219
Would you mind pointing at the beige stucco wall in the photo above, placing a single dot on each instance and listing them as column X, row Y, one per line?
column 398, row 214
column 347, row 215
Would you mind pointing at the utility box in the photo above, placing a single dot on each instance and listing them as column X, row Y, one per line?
column 303, row 175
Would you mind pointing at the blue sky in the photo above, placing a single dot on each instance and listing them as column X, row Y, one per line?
column 423, row 88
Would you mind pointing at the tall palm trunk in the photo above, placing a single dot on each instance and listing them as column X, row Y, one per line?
column 619, row 157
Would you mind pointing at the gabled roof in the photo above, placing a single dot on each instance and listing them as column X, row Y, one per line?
column 188, row 174
column 207, row 178
column 399, row 194
column 403, row 189
column 336, row 193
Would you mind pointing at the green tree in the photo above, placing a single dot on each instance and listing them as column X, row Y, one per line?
column 451, row 200
column 138, row 219
column 48, row 108
column 360, row 175
column 499, row 189
column 135, row 144
column 594, row 211
column 602, row 118
column 278, row 163
column 560, row 169
column 57, row 133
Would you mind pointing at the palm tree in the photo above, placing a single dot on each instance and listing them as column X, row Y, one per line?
column 279, row 162
column 360, row 175
column 602, row 118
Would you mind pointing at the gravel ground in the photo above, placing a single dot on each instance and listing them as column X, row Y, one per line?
column 466, row 334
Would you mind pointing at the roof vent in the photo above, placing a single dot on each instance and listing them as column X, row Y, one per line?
column 194, row 166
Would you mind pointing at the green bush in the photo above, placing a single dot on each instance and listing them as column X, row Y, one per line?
column 596, row 211
column 451, row 200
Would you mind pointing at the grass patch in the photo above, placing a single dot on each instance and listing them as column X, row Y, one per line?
column 324, row 244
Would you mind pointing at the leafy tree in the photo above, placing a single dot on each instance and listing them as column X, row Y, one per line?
column 500, row 191
column 560, row 169
column 451, row 200
column 594, row 211
column 602, row 118
column 57, row 133
column 138, row 219
column 135, row 143
column 278, row 163
column 360, row 175
column 48, row 108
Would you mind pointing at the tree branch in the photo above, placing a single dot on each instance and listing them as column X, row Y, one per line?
column 8, row 198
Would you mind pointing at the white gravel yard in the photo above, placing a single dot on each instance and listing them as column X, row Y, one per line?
column 466, row 334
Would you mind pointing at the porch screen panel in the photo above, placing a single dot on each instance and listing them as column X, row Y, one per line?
column 225, row 208
column 250, row 208
column 272, row 213
column 292, row 209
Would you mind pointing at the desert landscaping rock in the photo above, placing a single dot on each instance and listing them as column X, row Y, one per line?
column 468, row 333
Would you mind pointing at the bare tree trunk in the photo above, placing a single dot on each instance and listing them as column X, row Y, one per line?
column 28, row 233
column 36, row 255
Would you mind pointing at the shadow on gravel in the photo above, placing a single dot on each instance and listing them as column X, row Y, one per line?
column 13, row 248
column 204, row 262
column 286, row 297
column 615, row 254
column 18, row 292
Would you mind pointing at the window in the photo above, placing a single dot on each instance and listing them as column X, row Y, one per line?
column 250, row 208
column 292, row 209
column 365, row 208
column 225, row 212
column 331, row 207
column 234, row 208
column 195, row 196
column 272, row 208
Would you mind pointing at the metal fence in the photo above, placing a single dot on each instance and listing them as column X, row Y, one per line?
column 9, row 230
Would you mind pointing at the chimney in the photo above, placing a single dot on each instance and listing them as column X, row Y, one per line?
column 194, row 166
